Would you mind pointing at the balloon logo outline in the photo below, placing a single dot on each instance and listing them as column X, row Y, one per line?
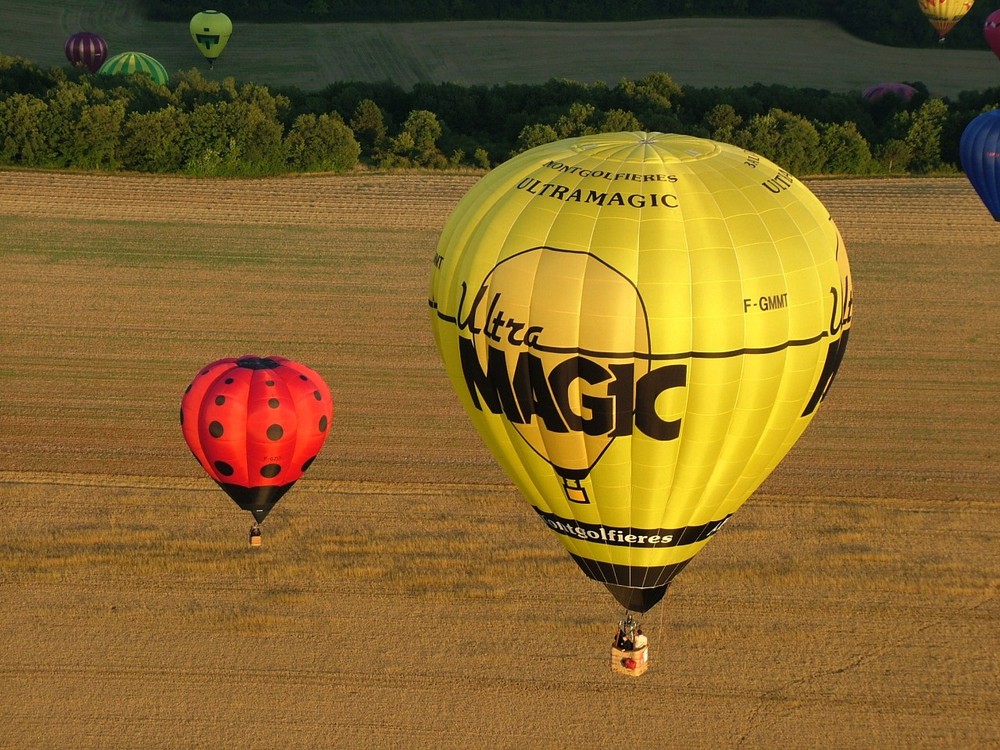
column 547, row 371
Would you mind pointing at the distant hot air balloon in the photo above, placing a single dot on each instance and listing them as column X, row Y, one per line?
column 877, row 91
column 640, row 326
column 255, row 424
column 126, row 63
column 211, row 30
column 944, row 14
column 991, row 30
column 86, row 48
column 979, row 151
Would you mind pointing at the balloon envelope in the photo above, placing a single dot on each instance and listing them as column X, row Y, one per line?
column 126, row 63
column 640, row 326
column 991, row 30
column 86, row 48
column 979, row 151
column 255, row 424
column 211, row 30
column 944, row 14
column 877, row 91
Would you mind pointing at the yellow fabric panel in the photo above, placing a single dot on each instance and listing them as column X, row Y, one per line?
column 640, row 326
column 210, row 30
column 944, row 14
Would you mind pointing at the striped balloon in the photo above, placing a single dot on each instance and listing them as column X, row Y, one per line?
column 979, row 150
column 126, row 63
column 87, row 48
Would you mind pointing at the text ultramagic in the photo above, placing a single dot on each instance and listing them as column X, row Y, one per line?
column 602, row 198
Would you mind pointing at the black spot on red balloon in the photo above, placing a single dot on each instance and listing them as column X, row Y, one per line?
column 188, row 389
column 269, row 383
column 215, row 429
column 223, row 468
column 308, row 463
column 323, row 423
column 318, row 395
column 182, row 416
column 274, row 432
column 229, row 381
column 303, row 377
column 220, row 400
column 269, row 471
column 273, row 403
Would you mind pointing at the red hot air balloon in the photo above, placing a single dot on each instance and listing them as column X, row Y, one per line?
column 991, row 30
column 87, row 48
column 255, row 424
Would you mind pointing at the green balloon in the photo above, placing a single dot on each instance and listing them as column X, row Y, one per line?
column 211, row 30
column 126, row 63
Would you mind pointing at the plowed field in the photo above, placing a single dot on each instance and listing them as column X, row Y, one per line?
column 405, row 597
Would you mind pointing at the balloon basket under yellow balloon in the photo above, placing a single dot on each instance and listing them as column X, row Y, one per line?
column 632, row 662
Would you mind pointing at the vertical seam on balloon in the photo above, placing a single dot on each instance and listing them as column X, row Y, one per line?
column 642, row 148
column 516, row 442
column 681, row 442
column 597, row 506
column 722, row 500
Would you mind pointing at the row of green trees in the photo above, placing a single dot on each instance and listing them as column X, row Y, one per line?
column 68, row 118
column 895, row 22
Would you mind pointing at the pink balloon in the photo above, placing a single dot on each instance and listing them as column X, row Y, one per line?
column 991, row 30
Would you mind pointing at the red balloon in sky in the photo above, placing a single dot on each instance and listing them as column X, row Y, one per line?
column 991, row 30
column 87, row 48
column 255, row 424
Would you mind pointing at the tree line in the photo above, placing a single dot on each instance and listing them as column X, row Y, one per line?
column 893, row 22
column 63, row 117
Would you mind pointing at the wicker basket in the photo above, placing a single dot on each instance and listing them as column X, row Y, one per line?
column 633, row 663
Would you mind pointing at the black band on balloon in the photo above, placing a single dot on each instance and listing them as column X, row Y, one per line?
column 630, row 536
column 257, row 500
column 636, row 588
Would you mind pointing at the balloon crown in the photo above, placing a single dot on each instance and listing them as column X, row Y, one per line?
column 257, row 363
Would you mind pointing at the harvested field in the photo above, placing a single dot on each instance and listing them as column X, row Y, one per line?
column 405, row 596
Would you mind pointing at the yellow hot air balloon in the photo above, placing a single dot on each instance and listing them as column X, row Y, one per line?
column 211, row 30
column 640, row 325
column 944, row 14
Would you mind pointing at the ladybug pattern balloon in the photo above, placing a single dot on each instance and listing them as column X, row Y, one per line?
column 255, row 424
column 87, row 48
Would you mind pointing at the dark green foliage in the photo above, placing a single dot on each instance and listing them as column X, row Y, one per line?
column 207, row 127
column 321, row 144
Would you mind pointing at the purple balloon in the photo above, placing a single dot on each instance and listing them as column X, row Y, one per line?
column 87, row 48
column 879, row 90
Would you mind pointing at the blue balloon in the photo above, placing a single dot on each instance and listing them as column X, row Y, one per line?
column 979, row 151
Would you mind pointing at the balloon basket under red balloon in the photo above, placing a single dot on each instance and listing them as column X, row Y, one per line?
column 632, row 662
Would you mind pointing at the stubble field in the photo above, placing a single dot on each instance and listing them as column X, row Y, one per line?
column 405, row 596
